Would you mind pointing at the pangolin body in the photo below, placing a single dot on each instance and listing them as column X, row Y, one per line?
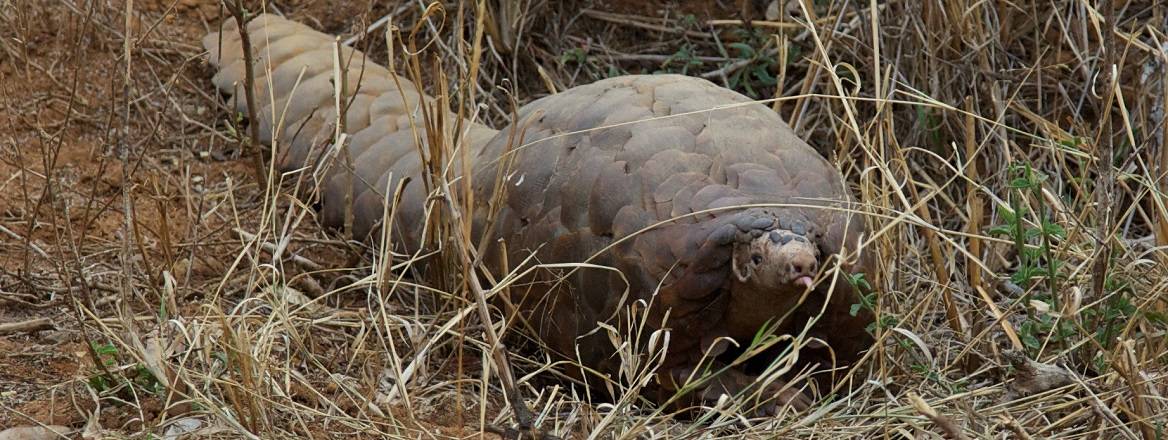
column 676, row 182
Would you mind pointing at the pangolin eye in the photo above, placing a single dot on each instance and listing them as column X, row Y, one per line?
column 756, row 259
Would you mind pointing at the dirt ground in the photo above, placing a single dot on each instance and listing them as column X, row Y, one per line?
column 77, row 156
column 72, row 166
column 128, row 205
column 67, row 182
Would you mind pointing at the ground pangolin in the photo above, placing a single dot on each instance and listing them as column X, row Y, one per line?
column 647, row 174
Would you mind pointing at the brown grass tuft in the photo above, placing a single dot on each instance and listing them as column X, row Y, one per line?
column 1010, row 157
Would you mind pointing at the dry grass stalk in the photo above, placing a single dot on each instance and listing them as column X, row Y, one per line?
column 925, row 106
column 239, row 13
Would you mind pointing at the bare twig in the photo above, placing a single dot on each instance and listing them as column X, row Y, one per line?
column 239, row 13
column 32, row 325
column 274, row 250
column 950, row 429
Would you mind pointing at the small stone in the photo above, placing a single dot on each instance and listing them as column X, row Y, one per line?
column 50, row 432
column 180, row 267
column 772, row 11
column 59, row 337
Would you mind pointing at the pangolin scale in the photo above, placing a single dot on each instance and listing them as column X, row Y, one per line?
column 692, row 191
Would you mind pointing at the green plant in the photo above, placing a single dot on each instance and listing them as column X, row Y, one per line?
column 883, row 322
column 933, row 375
column 1040, row 326
column 929, row 119
column 681, row 61
column 614, row 71
column 574, row 55
column 1034, row 261
column 864, row 291
column 867, row 297
column 138, row 377
column 107, row 353
column 579, row 56
column 757, row 72
column 1037, row 261
column 1113, row 315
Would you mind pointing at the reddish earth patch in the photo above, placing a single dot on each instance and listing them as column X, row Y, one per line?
column 72, row 162
column 64, row 178
column 37, row 378
column 700, row 9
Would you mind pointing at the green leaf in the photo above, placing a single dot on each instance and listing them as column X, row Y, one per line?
column 764, row 76
column 1000, row 230
column 1157, row 318
column 793, row 54
column 1031, row 233
column 1006, row 213
column 745, row 50
column 574, row 55
column 888, row 321
column 1054, row 230
column 858, row 280
column 1021, row 183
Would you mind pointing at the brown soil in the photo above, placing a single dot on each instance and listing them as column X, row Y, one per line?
column 74, row 157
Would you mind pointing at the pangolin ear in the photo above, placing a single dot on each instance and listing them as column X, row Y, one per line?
column 740, row 262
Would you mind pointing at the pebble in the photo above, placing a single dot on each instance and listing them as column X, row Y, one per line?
column 35, row 432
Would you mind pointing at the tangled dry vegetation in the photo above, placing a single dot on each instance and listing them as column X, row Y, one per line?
column 1010, row 157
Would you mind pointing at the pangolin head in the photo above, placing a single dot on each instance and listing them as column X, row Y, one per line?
column 779, row 259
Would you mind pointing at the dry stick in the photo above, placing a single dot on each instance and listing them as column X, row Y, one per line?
column 274, row 250
column 237, row 12
column 659, row 58
column 766, row 24
column 781, row 43
column 1129, row 369
column 1015, row 428
column 1162, row 170
column 795, row 119
column 27, row 243
column 1106, row 188
column 466, row 100
column 1000, row 318
column 733, row 67
column 125, row 254
column 341, row 87
column 972, row 196
column 49, row 196
column 632, row 21
column 372, row 27
column 469, row 102
column 508, row 11
column 523, row 414
column 951, row 430
column 956, row 321
column 29, row 326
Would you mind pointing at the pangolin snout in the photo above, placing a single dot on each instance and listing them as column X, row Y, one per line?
column 802, row 268
column 780, row 259
column 799, row 255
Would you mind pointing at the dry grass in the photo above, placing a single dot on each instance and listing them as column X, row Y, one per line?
column 1012, row 303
